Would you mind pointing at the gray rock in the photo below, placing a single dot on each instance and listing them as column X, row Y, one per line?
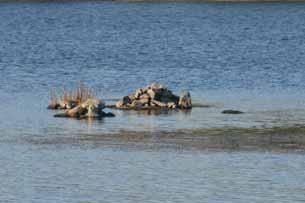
column 136, row 104
column 119, row 104
column 230, row 111
column 132, row 97
column 185, row 100
column 156, row 86
column 126, row 100
column 91, row 108
column 151, row 93
column 144, row 101
column 171, row 105
column 144, row 96
column 158, row 103
column 138, row 93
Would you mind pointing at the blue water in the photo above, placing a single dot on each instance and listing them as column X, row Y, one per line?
column 242, row 56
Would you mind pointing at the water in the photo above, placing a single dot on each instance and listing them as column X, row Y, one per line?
column 242, row 56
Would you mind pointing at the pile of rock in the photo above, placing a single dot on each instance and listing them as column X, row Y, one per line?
column 155, row 95
column 92, row 108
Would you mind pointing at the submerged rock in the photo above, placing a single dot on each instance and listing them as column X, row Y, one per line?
column 230, row 111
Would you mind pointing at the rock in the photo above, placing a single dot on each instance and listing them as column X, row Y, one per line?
column 168, row 96
column 91, row 108
column 66, row 104
column 138, row 93
column 76, row 112
column 94, row 107
column 53, row 106
column 132, row 97
column 70, row 104
column 230, row 111
column 158, row 103
column 151, row 93
column 185, row 101
column 80, row 104
column 156, row 86
column 109, row 114
column 144, row 101
column 153, row 104
column 171, row 105
column 95, row 103
column 144, row 96
column 119, row 104
column 126, row 100
column 155, row 95
column 136, row 104
column 62, row 104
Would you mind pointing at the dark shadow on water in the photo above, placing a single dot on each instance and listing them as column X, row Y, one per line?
column 283, row 139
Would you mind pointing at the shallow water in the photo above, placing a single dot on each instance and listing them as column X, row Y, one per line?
column 248, row 57
column 88, row 174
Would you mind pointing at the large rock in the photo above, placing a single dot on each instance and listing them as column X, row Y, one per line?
column 124, row 102
column 136, row 104
column 94, row 108
column 158, row 103
column 138, row 93
column 154, row 95
column 91, row 108
column 132, row 97
column 185, row 101
column 171, row 105
column 151, row 93
column 144, row 101
column 144, row 96
column 156, row 86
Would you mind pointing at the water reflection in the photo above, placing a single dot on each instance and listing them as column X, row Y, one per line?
column 157, row 112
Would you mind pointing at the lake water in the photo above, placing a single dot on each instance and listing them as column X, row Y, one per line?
column 233, row 56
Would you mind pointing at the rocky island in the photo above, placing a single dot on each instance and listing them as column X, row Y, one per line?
column 155, row 96
column 80, row 104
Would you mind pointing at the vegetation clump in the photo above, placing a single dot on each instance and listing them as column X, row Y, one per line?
column 80, row 103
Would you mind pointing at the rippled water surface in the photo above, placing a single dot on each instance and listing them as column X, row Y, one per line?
column 233, row 56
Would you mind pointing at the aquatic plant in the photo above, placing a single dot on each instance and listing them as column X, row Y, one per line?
column 53, row 101
column 70, row 98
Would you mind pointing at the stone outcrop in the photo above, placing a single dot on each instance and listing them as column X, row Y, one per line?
column 79, row 103
column 185, row 101
column 154, row 96
column 230, row 111
column 91, row 108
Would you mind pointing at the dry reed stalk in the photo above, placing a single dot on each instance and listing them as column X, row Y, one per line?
column 82, row 93
column 52, row 97
column 78, row 96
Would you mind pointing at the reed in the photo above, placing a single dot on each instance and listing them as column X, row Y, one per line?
column 53, row 101
column 82, row 93
column 70, row 97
